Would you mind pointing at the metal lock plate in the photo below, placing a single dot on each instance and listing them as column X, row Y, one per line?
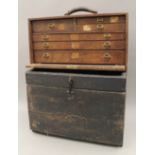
column 61, row 27
column 87, row 28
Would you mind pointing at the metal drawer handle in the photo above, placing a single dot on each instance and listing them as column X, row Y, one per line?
column 107, row 36
column 107, row 57
column 107, row 44
column 100, row 26
column 46, row 55
column 46, row 45
column 99, row 20
column 51, row 26
column 46, row 37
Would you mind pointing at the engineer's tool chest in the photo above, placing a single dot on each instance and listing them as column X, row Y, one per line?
column 77, row 83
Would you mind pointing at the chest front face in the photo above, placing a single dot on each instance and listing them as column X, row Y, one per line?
column 83, row 107
column 84, row 40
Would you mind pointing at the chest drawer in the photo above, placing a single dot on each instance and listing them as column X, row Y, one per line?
column 53, row 26
column 79, row 45
column 82, row 57
column 78, row 37
column 113, row 19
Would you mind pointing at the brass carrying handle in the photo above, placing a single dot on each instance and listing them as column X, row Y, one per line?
column 80, row 9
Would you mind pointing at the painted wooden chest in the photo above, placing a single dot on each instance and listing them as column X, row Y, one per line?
column 86, row 106
column 94, row 41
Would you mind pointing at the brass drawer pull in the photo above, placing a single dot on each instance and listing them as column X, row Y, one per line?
column 46, row 37
column 107, row 57
column 100, row 26
column 46, row 45
column 99, row 20
column 107, row 44
column 107, row 36
column 51, row 26
column 46, row 55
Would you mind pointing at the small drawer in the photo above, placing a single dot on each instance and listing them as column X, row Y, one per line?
column 101, row 27
column 53, row 26
column 80, row 57
column 91, row 45
column 101, row 19
column 78, row 37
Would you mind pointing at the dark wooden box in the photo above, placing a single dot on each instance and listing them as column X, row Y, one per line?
column 78, row 105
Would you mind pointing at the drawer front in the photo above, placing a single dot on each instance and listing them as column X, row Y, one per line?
column 79, row 45
column 53, row 26
column 81, row 57
column 101, row 28
column 71, row 25
column 81, row 114
column 101, row 19
column 78, row 37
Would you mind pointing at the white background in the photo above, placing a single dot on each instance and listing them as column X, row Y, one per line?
column 35, row 144
column 8, row 80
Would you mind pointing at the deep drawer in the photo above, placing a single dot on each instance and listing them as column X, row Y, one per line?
column 82, row 57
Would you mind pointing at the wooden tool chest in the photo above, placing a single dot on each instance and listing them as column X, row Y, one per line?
column 83, row 106
column 88, row 42
column 77, row 86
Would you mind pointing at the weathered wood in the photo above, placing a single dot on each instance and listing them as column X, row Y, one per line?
column 113, row 83
column 91, row 109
